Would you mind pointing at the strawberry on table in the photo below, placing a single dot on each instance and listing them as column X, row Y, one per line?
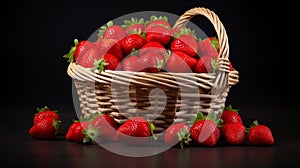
column 209, row 47
column 112, row 31
column 44, row 112
column 178, row 134
column 82, row 132
column 234, row 133
column 106, row 125
column 45, row 128
column 205, row 130
column 180, row 62
column 231, row 115
column 134, row 25
column 135, row 131
column 185, row 41
column 259, row 134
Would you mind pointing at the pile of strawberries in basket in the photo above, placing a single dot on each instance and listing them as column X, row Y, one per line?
column 146, row 46
column 206, row 130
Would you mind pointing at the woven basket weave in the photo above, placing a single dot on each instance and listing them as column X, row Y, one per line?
column 164, row 97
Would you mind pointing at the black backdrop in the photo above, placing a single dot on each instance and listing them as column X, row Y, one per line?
column 35, row 36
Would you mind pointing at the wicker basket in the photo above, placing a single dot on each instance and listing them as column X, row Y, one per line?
column 164, row 97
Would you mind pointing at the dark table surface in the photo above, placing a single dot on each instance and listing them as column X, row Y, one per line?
column 18, row 148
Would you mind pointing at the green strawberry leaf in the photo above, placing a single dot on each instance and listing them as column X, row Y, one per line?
column 70, row 54
column 99, row 65
column 229, row 107
column 152, row 128
column 184, row 137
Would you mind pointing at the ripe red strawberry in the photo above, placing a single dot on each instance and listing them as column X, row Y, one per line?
column 107, row 126
column 44, row 112
column 234, row 133
column 112, row 31
column 231, row 115
column 260, row 134
column 209, row 47
column 79, row 48
column 109, row 45
column 177, row 133
column 154, row 21
column 135, row 130
column 150, row 62
column 46, row 128
column 82, row 132
column 185, row 41
column 180, row 62
column 159, row 34
column 132, row 41
column 88, row 58
column 205, row 64
column 128, row 63
column 230, row 66
column 134, row 25
column 205, row 130
column 107, row 62
column 153, row 46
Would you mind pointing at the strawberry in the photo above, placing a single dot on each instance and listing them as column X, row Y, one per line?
column 132, row 42
column 180, row 62
column 230, row 115
column 106, row 125
column 112, row 31
column 109, row 45
column 44, row 112
column 260, row 134
column 88, row 58
column 185, row 41
column 46, row 128
column 205, row 130
column 79, row 48
column 230, row 66
column 107, row 62
column 82, row 132
column 128, row 63
column 135, row 130
column 150, row 62
column 234, row 133
column 209, row 47
column 153, row 46
column 177, row 133
column 134, row 25
column 205, row 64
column 159, row 33
column 154, row 21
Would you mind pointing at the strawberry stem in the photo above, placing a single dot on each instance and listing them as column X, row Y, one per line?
column 70, row 54
column 99, row 65
column 229, row 107
column 184, row 137
column 152, row 128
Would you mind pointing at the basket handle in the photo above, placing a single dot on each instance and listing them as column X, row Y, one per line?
column 221, row 81
column 214, row 19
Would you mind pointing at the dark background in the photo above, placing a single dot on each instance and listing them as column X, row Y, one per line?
column 36, row 35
